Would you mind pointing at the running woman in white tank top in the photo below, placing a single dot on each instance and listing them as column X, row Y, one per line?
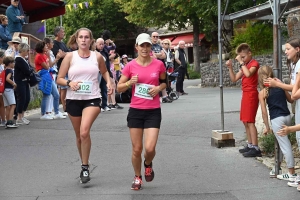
column 83, row 95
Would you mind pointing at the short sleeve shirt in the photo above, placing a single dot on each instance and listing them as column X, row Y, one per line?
column 39, row 59
column 146, row 75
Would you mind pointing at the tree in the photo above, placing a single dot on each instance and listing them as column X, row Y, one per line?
column 101, row 15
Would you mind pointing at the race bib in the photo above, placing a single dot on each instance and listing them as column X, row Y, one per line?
column 85, row 88
column 141, row 91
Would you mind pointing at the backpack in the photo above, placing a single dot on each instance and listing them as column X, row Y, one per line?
column 2, row 81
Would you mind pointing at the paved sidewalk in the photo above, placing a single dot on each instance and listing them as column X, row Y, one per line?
column 40, row 161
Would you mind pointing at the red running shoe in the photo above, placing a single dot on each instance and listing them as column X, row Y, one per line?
column 149, row 173
column 137, row 183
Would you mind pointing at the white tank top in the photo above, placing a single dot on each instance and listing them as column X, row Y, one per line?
column 87, row 71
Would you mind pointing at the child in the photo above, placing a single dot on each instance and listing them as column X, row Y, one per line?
column 292, row 51
column 275, row 99
column 8, row 94
column 249, row 104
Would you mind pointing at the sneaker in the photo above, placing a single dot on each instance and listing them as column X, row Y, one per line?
column 184, row 93
column 116, row 106
column 294, row 183
column 19, row 122
column 102, row 110
column 252, row 153
column 46, row 117
column 12, row 126
column 286, row 176
column 272, row 172
column 84, row 176
column 64, row 113
column 59, row 116
column 107, row 108
column 25, row 121
column 149, row 173
column 244, row 150
column 2, row 124
column 137, row 183
column 166, row 100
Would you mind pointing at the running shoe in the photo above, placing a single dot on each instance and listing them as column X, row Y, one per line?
column 45, row 117
column 19, row 122
column 59, row 116
column 116, row 106
column 84, row 176
column 107, row 108
column 25, row 120
column 166, row 100
column 137, row 183
column 286, row 176
column 149, row 173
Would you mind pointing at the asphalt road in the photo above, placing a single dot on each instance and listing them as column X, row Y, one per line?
column 40, row 161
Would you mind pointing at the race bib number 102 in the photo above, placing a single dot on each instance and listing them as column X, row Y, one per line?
column 85, row 88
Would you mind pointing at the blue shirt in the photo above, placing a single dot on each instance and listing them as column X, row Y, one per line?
column 4, row 36
column 14, row 24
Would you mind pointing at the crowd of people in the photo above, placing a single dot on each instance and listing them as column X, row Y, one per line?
column 274, row 95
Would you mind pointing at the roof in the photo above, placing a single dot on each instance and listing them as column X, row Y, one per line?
column 39, row 9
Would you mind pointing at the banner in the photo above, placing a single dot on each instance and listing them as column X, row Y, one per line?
column 80, row 5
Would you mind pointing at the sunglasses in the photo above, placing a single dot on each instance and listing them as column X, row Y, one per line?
column 155, row 36
column 166, row 43
column 15, row 43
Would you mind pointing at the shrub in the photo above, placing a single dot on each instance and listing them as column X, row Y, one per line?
column 192, row 73
column 257, row 34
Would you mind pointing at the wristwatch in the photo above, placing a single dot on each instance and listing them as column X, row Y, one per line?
column 68, row 82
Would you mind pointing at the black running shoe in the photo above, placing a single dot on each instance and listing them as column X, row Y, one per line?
column 149, row 173
column 252, row 153
column 244, row 150
column 116, row 106
column 85, row 176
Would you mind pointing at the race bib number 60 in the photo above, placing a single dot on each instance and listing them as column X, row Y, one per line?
column 141, row 91
column 85, row 88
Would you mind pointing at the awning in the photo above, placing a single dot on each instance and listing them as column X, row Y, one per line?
column 187, row 38
column 42, row 9
column 39, row 9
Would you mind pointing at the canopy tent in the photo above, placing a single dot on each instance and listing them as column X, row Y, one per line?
column 38, row 9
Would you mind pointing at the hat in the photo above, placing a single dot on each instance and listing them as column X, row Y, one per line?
column 124, row 56
column 142, row 38
column 15, row 39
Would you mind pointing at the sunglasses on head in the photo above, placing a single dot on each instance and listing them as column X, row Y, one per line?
column 155, row 36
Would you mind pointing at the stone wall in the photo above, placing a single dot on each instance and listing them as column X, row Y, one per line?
column 210, row 75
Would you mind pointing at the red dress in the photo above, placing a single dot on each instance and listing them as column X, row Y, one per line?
column 249, row 103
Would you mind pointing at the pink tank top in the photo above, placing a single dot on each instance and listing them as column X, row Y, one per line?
column 87, row 71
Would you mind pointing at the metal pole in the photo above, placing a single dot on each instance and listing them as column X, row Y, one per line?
column 276, row 68
column 60, row 20
column 45, row 25
column 220, row 63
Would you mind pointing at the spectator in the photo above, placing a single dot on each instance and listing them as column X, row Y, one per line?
column 13, row 50
column 124, row 61
column 4, row 33
column 47, row 85
column 60, row 47
column 71, row 44
column 100, row 47
column 8, row 95
column 2, row 109
column 22, row 72
column 249, row 103
column 53, row 71
column 181, row 61
column 15, row 19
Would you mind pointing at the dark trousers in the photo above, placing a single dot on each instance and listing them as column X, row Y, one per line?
column 23, row 96
column 103, row 93
column 180, row 79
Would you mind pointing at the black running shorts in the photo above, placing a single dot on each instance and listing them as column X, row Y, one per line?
column 75, row 107
column 144, row 118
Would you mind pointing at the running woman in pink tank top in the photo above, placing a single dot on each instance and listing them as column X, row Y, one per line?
column 83, row 95
column 147, row 77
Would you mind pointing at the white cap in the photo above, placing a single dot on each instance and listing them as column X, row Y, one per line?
column 142, row 38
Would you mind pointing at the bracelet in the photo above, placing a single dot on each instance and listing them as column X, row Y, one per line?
column 127, row 84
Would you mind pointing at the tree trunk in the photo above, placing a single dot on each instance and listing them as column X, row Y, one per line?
column 196, row 48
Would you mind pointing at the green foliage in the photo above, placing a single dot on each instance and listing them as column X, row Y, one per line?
column 258, row 35
column 193, row 74
column 102, row 15
column 37, row 99
column 267, row 143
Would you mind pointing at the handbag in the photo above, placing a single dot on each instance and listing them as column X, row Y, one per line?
column 34, row 79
